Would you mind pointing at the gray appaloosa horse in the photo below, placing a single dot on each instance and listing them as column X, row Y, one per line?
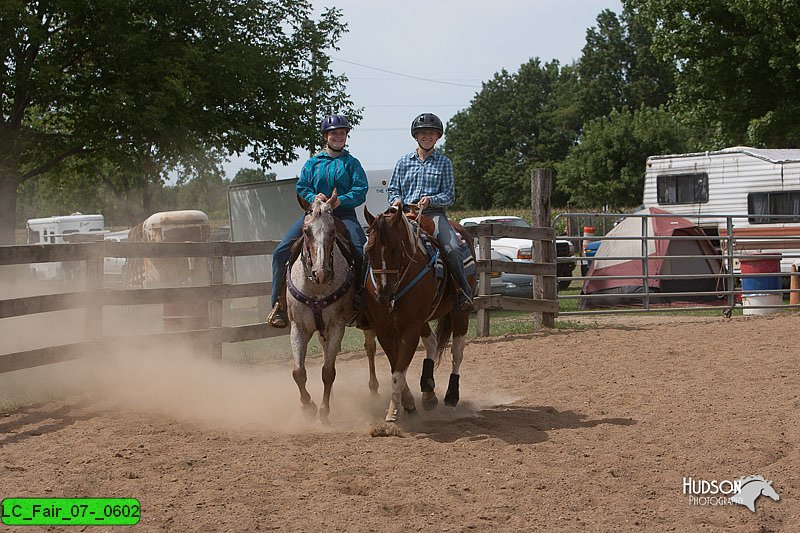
column 321, row 283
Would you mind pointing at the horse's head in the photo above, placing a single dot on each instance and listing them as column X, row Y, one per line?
column 319, row 237
column 390, row 246
column 768, row 491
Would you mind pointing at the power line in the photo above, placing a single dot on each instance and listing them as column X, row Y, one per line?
column 417, row 105
column 404, row 75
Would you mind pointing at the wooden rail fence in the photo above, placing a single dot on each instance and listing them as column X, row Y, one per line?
column 94, row 296
column 544, row 304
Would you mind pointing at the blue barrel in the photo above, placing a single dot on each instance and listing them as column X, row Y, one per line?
column 761, row 266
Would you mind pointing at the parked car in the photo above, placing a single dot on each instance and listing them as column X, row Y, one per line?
column 115, row 266
column 588, row 252
column 510, row 284
column 522, row 249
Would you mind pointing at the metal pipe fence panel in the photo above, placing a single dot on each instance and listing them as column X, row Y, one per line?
column 660, row 261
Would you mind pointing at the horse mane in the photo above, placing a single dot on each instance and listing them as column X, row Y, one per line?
column 744, row 481
column 413, row 238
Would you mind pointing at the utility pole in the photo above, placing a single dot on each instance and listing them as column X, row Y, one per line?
column 309, row 25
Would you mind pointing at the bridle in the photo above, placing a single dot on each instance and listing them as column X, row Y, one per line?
column 317, row 305
column 407, row 261
column 305, row 254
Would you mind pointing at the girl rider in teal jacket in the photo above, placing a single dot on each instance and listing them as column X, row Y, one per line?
column 332, row 168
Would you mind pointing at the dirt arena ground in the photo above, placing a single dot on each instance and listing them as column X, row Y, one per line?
column 589, row 430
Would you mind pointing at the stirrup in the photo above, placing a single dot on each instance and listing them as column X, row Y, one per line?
column 277, row 317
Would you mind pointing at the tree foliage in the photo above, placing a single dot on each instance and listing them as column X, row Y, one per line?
column 511, row 123
column 252, row 175
column 147, row 86
column 607, row 166
column 532, row 117
column 618, row 68
column 738, row 65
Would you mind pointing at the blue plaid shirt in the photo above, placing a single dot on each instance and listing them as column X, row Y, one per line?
column 413, row 178
column 322, row 173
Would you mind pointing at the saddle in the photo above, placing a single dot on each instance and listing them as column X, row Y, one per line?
column 428, row 228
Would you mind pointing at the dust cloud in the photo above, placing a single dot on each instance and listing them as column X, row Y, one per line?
column 177, row 383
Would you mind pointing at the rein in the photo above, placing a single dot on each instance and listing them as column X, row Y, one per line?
column 397, row 294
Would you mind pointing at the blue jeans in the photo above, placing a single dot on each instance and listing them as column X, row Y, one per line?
column 446, row 235
column 280, row 257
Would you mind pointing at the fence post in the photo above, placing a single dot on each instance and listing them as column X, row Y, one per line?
column 544, row 287
column 93, row 318
column 484, row 286
column 215, row 306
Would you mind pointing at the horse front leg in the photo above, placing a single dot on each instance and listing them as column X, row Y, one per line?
column 399, row 396
column 426, row 382
column 370, row 348
column 400, row 393
column 299, row 341
column 457, row 349
column 331, row 346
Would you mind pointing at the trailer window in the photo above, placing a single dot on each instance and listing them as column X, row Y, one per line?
column 773, row 207
column 682, row 189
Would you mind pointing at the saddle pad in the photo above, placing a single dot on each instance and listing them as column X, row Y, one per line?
column 466, row 255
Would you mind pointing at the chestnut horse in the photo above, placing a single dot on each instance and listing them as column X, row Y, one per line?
column 320, row 282
column 402, row 294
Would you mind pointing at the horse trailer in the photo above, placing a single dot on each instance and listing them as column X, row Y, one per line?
column 757, row 189
column 76, row 227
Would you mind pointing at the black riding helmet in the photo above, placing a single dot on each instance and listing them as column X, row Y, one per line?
column 427, row 121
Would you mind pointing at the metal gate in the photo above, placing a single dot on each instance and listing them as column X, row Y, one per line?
column 656, row 261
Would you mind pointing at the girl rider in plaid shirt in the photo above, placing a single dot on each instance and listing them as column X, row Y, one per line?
column 425, row 177
column 332, row 168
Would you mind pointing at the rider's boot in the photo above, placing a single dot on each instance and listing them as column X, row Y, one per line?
column 277, row 318
column 359, row 318
column 464, row 293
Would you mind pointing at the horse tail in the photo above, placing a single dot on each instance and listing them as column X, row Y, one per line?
column 444, row 328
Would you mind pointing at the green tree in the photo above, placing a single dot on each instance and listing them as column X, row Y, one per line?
column 607, row 166
column 252, row 175
column 512, row 122
column 143, row 84
column 738, row 74
column 208, row 192
column 618, row 68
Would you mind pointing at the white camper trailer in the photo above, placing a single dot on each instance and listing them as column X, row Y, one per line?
column 59, row 230
column 761, row 186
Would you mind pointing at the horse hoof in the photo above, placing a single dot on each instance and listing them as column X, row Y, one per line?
column 412, row 411
column 310, row 409
column 451, row 398
column 430, row 404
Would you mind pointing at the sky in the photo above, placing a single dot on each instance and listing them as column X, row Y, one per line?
column 454, row 45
